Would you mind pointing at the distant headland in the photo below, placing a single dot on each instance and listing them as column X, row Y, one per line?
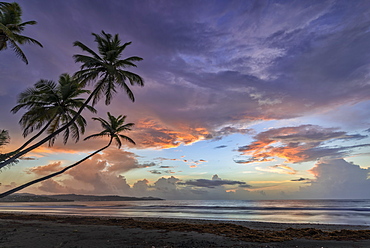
column 25, row 197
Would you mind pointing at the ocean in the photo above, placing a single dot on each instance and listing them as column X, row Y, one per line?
column 349, row 212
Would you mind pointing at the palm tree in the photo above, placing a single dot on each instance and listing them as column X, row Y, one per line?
column 11, row 27
column 51, row 105
column 107, row 69
column 111, row 128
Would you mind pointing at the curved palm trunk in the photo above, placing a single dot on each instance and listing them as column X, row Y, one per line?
column 53, row 174
column 34, row 137
column 50, row 136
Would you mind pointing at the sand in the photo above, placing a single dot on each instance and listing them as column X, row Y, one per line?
column 25, row 230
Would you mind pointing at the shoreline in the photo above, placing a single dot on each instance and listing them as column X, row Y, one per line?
column 26, row 230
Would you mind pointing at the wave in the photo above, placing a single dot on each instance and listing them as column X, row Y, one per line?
column 365, row 209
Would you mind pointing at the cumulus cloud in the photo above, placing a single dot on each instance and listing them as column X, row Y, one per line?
column 337, row 179
column 45, row 169
column 99, row 175
column 297, row 144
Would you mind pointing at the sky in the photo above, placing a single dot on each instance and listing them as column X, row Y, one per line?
column 242, row 99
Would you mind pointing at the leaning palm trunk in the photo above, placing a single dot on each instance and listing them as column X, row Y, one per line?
column 53, row 174
column 35, row 136
column 30, row 140
column 13, row 158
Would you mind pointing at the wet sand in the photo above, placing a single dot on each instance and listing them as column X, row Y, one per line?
column 25, row 230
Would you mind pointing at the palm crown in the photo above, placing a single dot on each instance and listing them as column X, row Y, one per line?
column 112, row 129
column 107, row 67
column 11, row 27
column 4, row 137
column 51, row 105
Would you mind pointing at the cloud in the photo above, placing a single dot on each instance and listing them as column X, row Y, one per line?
column 99, row 175
column 166, row 184
column 301, row 179
column 9, row 186
column 279, row 168
column 27, row 158
column 297, row 144
column 226, row 131
column 338, row 179
column 215, row 182
column 219, row 147
column 155, row 172
column 52, row 186
column 245, row 186
column 45, row 169
column 151, row 133
column 204, row 76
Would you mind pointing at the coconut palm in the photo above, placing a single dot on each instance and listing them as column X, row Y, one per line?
column 51, row 105
column 111, row 128
column 107, row 69
column 11, row 27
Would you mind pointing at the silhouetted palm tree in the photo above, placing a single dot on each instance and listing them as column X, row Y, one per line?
column 107, row 69
column 111, row 128
column 51, row 105
column 11, row 27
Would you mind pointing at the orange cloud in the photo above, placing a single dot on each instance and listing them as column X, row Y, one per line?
column 294, row 144
column 42, row 150
column 279, row 168
column 46, row 169
column 151, row 133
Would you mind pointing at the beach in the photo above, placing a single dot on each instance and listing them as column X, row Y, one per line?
column 31, row 230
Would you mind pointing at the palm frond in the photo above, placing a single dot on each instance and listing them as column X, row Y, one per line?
column 86, row 49
column 19, row 53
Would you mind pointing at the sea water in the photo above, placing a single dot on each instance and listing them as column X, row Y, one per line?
column 351, row 212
